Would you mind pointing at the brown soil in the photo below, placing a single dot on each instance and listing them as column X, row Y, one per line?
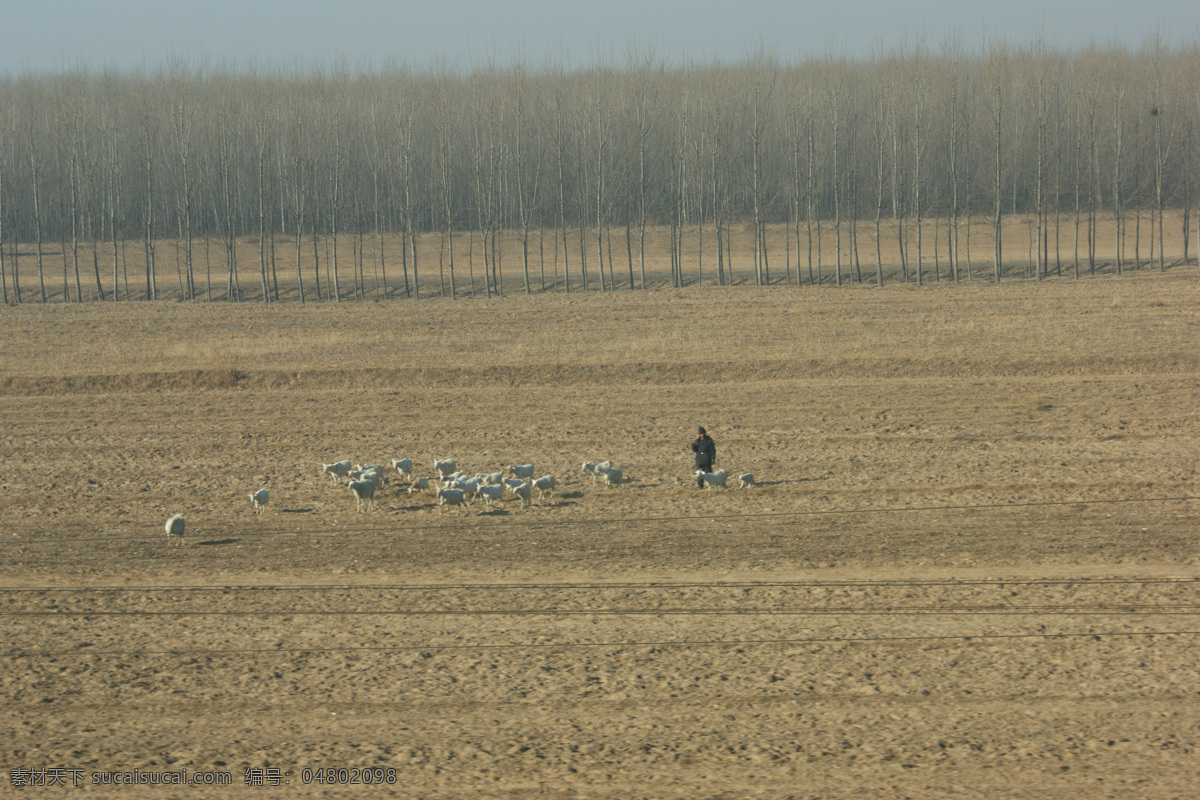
column 969, row 569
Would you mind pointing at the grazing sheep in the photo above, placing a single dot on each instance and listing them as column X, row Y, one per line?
column 594, row 468
column 544, row 484
column 451, row 497
column 523, row 492
column 713, row 479
column 521, row 470
column 611, row 475
column 444, row 468
column 339, row 469
column 403, row 467
column 490, row 493
column 746, row 480
column 174, row 528
column 419, row 485
column 259, row 500
column 364, row 493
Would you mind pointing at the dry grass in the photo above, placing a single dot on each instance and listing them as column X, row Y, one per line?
column 856, row 331
column 379, row 260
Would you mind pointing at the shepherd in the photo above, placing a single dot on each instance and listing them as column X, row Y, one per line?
column 706, row 455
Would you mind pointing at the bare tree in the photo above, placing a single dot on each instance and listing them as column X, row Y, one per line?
column 1041, row 67
column 920, row 92
column 996, row 70
column 562, row 146
column 445, row 161
column 835, row 98
column 405, row 111
column 647, row 74
column 6, row 137
column 1160, row 108
column 75, row 144
column 528, row 152
column 264, row 135
column 1118, row 90
column 601, row 139
column 33, row 102
column 181, row 140
column 763, row 74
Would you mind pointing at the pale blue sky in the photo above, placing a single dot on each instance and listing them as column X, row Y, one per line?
column 49, row 35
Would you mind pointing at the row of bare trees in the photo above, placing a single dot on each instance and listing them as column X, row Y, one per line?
column 305, row 165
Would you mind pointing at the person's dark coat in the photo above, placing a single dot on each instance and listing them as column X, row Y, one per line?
column 706, row 453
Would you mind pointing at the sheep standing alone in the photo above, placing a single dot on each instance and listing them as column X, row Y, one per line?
column 746, row 480
column 174, row 528
column 521, row 470
column 713, row 479
column 404, row 467
column 451, row 497
column 544, row 484
column 338, row 469
column 523, row 492
column 490, row 493
column 259, row 500
column 611, row 475
column 364, row 493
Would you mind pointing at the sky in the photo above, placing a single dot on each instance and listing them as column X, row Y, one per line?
column 55, row 35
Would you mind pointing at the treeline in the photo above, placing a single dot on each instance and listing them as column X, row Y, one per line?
column 99, row 164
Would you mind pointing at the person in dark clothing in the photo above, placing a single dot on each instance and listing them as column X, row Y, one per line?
column 706, row 455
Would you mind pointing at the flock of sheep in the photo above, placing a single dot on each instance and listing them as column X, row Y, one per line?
column 455, row 488
column 451, row 488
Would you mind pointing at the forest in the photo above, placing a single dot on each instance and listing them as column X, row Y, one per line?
column 235, row 182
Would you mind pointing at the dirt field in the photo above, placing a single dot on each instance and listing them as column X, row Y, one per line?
column 970, row 568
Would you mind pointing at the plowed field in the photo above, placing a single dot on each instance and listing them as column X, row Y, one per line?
column 969, row 568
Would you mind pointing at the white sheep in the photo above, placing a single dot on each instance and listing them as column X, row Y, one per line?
column 338, row 469
column 445, row 467
column 364, row 493
column 611, row 475
column 521, row 470
column 174, row 528
column 419, row 485
column 746, row 480
column 491, row 478
column 403, row 467
column 259, row 500
column 544, row 484
column 490, row 493
column 451, row 497
column 523, row 492
column 712, row 480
